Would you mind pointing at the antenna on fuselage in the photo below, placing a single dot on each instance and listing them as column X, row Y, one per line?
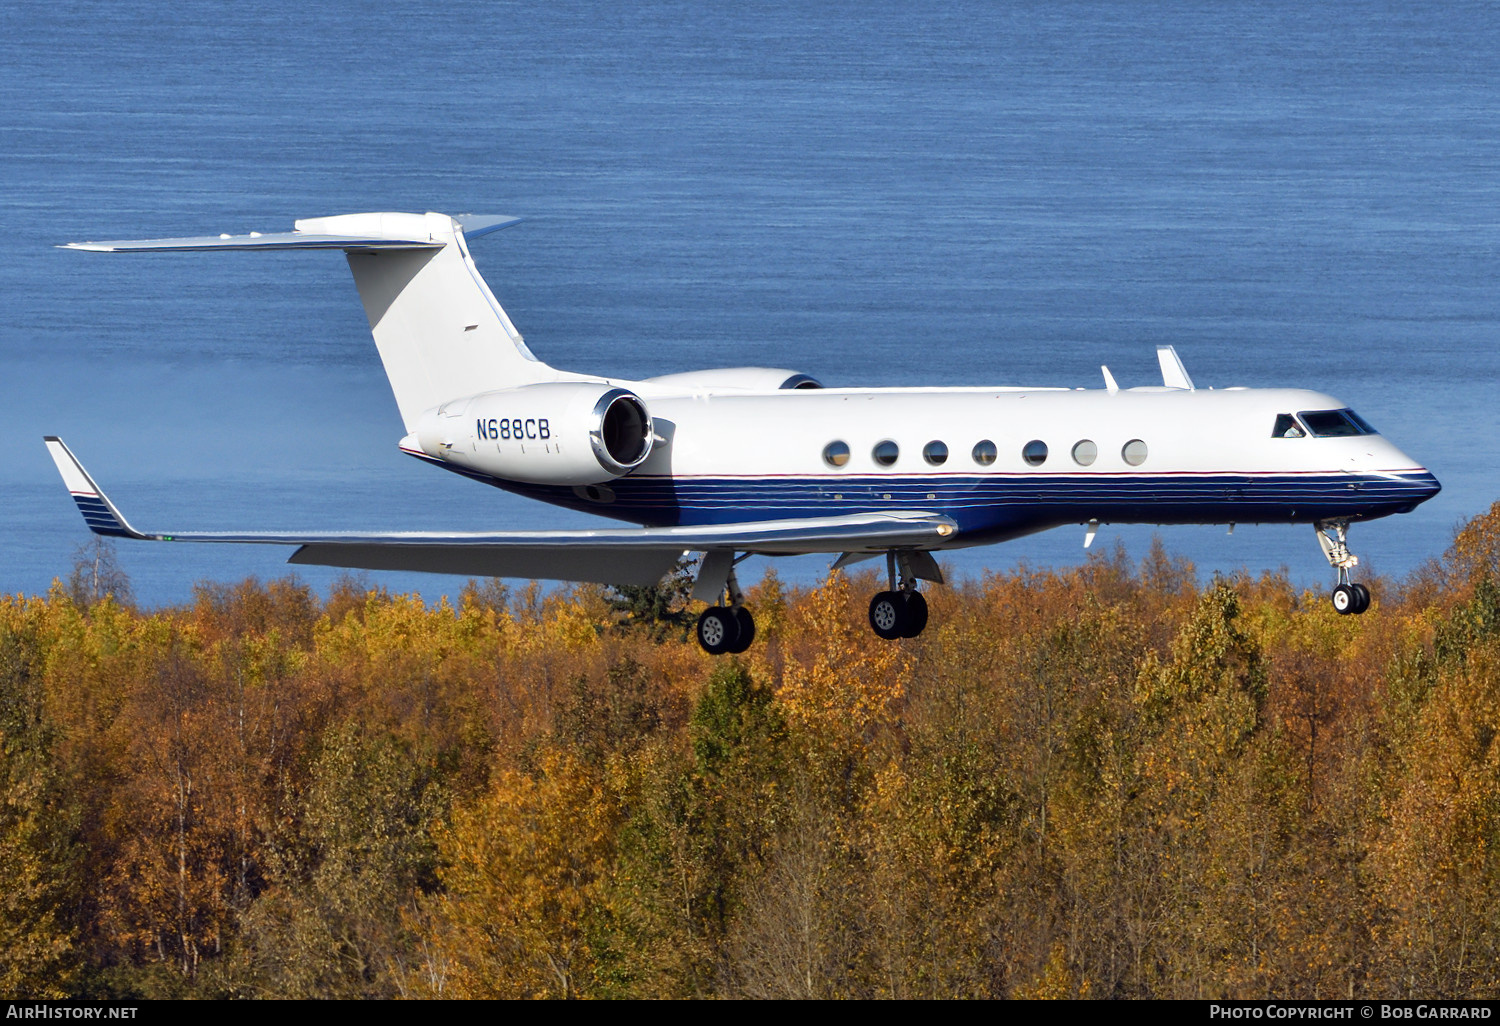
column 1109, row 381
column 1173, row 373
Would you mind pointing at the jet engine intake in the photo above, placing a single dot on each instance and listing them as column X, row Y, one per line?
column 565, row 433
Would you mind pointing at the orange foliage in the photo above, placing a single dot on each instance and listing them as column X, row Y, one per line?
column 1106, row 781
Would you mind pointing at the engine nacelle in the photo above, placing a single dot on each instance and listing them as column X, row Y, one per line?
column 737, row 379
column 565, row 433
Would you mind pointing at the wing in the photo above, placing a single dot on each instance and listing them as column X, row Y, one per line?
column 612, row 555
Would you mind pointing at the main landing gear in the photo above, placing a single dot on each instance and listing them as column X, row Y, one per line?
column 1348, row 597
column 722, row 628
column 725, row 629
column 727, row 626
column 900, row 612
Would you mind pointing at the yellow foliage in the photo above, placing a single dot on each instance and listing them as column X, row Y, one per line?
column 842, row 683
column 524, row 867
column 1475, row 553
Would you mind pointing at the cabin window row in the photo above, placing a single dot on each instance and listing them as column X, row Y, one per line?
column 935, row 453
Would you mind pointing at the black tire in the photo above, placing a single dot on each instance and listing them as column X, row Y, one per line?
column 1345, row 600
column 888, row 615
column 718, row 630
column 746, row 625
column 1362, row 594
column 916, row 614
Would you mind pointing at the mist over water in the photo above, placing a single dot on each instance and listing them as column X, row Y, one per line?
column 977, row 194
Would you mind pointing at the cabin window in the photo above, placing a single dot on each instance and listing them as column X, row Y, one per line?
column 1034, row 453
column 984, row 452
column 885, row 453
column 935, row 453
column 1286, row 427
column 1134, row 452
column 836, row 454
column 1335, row 423
column 1085, row 453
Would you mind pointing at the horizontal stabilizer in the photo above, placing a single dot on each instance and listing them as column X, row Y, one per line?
column 612, row 555
column 440, row 331
column 276, row 240
column 356, row 232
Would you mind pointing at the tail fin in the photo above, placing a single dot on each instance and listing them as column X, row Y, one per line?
column 440, row 331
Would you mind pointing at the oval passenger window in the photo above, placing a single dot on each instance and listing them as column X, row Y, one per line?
column 836, row 454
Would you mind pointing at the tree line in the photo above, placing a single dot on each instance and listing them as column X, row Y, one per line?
column 1114, row 781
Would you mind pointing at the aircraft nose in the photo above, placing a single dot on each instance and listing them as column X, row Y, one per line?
column 1420, row 487
column 1429, row 485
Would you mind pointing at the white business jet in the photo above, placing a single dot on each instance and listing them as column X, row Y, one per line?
column 747, row 461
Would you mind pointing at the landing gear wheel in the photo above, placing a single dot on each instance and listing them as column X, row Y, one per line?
column 888, row 615
column 745, row 624
column 916, row 614
column 718, row 630
column 1345, row 600
column 1362, row 595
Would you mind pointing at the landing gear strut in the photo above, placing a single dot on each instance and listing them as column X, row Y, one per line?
column 900, row 612
column 726, row 628
column 1348, row 597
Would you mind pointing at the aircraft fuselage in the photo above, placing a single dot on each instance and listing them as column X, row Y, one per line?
column 1002, row 462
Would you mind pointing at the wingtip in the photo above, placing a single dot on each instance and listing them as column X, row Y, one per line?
column 99, row 513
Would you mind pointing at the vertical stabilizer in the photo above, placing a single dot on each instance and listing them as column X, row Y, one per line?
column 440, row 331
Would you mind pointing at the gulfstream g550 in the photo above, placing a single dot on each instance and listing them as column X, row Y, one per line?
column 758, row 461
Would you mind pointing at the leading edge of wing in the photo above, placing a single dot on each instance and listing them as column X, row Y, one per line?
column 611, row 555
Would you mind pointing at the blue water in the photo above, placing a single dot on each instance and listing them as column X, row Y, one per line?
column 872, row 193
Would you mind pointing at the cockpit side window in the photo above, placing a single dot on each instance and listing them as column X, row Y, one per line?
column 1335, row 423
column 1286, row 427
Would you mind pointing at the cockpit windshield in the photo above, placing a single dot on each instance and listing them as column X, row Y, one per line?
column 1335, row 423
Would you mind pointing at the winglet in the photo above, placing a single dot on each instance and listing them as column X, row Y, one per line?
column 1173, row 373
column 98, row 512
column 1109, row 381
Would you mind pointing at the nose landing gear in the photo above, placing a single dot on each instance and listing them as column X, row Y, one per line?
column 1348, row 597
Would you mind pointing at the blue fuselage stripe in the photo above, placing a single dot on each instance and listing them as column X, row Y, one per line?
column 993, row 504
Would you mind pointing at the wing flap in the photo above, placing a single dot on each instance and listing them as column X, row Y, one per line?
column 601, row 564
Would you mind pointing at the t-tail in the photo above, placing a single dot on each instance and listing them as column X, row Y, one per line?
column 440, row 331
